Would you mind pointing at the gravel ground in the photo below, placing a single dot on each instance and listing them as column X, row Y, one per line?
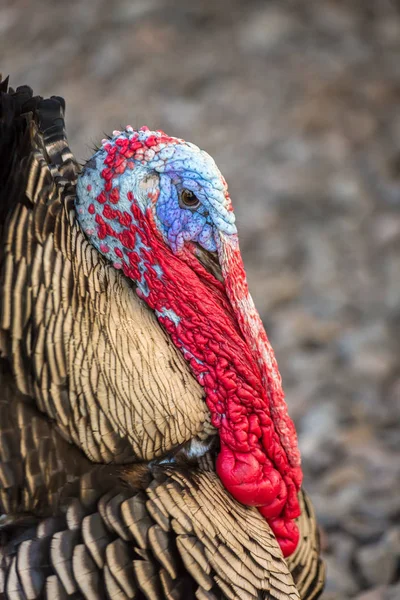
column 299, row 103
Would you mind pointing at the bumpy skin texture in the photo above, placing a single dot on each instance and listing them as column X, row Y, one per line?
column 129, row 203
column 88, row 375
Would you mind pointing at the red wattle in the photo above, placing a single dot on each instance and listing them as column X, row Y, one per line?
column 251, row 482
column 287, row 534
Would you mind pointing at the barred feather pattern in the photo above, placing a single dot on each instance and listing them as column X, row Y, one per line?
column 79, row 340
column 180, row 537
column 52, row 484
column 88, row 376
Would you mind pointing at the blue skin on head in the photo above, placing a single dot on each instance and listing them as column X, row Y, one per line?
column 192, row 169
column 178, row 166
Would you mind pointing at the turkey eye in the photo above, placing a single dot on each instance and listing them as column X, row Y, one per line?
column 188, row 199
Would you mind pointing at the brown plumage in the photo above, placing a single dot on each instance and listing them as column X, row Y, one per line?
column 88, row 376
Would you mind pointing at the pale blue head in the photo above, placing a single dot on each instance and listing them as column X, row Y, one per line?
column 180, row 183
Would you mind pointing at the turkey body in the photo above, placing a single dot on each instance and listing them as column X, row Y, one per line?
column 108, row 484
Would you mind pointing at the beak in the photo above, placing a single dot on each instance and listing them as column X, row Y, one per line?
column 236, row 288
column 209, row 260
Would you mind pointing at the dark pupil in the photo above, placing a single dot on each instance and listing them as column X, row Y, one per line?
column 189, row 198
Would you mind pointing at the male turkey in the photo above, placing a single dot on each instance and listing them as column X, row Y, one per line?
column 145, row 446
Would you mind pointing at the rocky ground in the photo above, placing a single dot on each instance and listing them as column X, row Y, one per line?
column 299, row 103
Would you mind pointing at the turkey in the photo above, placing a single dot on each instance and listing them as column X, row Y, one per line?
column 145, row 446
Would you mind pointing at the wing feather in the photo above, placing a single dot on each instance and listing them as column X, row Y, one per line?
column 225, row 551
column 75, row 336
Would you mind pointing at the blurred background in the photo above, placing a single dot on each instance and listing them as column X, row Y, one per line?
column 299, row 104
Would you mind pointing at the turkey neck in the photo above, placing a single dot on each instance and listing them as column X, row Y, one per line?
column 202, row 322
